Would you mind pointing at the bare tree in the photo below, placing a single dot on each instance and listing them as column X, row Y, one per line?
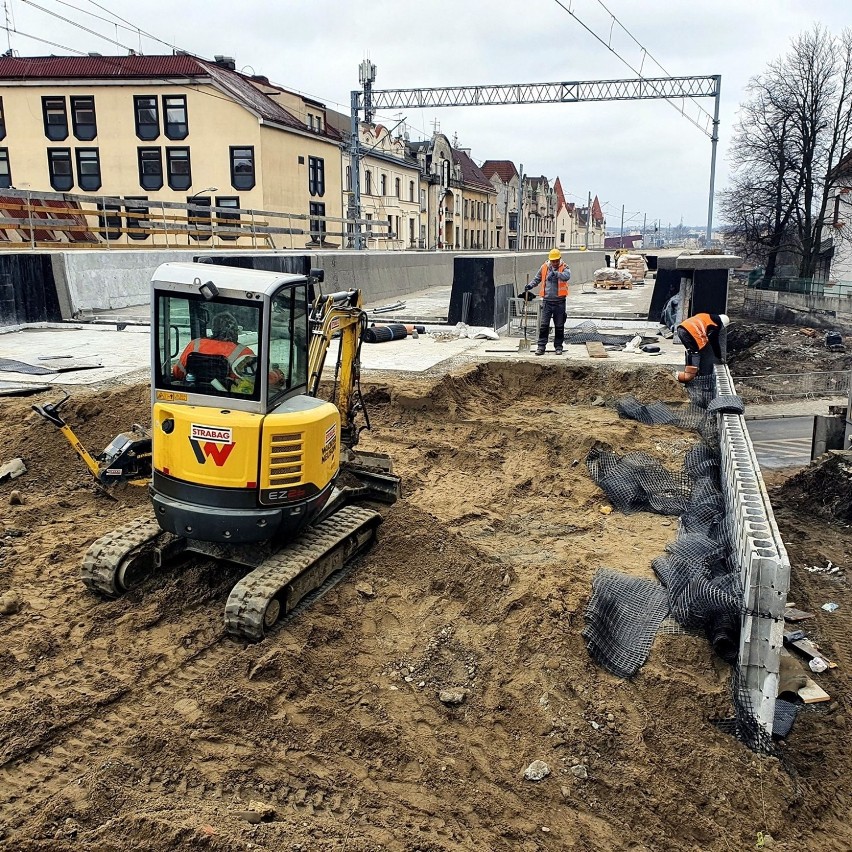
column 790, row 136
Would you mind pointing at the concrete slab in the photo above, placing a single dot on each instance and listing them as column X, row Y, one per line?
column 708, row 261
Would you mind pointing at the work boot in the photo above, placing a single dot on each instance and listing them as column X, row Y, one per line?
column 539, row 351
column 558, row 351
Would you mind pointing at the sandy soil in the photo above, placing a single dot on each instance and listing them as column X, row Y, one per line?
column 136, row 725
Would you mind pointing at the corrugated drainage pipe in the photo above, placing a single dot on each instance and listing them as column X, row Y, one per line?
column 383, row 333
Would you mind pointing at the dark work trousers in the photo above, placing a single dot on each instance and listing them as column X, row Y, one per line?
column 704, row 358
column 552, row 309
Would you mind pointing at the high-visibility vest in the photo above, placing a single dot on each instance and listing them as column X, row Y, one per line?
column 563, row 285
column 698, row 326
column 232, row 352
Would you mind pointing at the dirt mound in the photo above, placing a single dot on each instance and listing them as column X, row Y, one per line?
column 136, row 724
column 824, row 487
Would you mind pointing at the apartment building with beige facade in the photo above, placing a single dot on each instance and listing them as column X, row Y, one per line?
column 147, row 129
column 390, row 189
column 478, row 208
column 504, row 177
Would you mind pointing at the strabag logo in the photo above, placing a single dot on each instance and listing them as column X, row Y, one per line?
column 211, row 442
column 330, row 440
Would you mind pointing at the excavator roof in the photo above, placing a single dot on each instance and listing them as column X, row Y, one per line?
column 187, row 277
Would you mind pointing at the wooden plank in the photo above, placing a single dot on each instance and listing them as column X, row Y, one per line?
column 796, row 615
column 596, row 349
column 813, row 693
column 805, row 647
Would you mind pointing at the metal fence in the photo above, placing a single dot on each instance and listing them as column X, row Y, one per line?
column 798, row 385
column 38, row 220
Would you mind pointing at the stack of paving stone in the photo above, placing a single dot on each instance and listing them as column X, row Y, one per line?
column 634, row 264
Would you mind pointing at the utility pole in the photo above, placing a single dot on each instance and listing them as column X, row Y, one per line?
column 588, row 219
column 621, row 241
column 521, row 208
column 644, row 223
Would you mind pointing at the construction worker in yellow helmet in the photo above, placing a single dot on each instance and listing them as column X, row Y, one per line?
column 552, row 283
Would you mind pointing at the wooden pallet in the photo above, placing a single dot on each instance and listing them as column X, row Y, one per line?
column 614, row 285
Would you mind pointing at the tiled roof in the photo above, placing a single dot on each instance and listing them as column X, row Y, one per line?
column 471, row 173
column 597, row 213
column 166, row 68
column 560, row 195
column 505, row 169
column 102, row 67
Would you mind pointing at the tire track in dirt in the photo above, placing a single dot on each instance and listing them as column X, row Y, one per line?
column 30, row 779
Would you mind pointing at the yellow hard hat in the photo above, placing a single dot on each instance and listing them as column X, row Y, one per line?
column 555, row 254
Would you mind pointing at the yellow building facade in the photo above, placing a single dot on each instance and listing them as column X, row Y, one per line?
column 150, row 129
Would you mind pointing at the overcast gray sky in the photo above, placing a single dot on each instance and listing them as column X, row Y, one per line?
column 642, row 155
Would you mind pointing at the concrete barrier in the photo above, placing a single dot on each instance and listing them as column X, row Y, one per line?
column 489, row 281
column 89, row 281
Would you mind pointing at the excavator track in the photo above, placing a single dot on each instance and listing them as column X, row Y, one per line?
column 276, row 586
column 119, row 559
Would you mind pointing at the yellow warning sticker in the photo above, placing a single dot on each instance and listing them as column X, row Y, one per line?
column 171, row 396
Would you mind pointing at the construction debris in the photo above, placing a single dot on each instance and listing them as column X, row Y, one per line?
column 12, row 469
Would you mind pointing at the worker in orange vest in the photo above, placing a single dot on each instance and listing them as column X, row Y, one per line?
column 701, row 335
column 552, row 282
column 224, row 340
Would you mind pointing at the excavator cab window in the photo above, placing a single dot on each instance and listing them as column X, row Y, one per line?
column 207, row 346
column 288, row 342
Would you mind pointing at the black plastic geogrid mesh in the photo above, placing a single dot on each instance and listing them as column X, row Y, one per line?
column 587, row 332
column 701, row 587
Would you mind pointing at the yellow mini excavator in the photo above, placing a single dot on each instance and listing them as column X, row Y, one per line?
column 249, row 465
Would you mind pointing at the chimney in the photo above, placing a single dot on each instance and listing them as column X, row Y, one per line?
column 226, row 62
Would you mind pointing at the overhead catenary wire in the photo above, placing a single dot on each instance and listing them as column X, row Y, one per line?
column 78, row 25
column 702, row 127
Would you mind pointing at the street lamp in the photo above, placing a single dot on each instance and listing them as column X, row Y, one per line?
column 193, row 220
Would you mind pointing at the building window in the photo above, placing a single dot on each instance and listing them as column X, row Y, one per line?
column 137, row 217
column 178, row 167
column 5, row 169
column 2, row 120
column 55, row 119
column 83, row 118
column 242, row 167
column 88, row 169
column 397, row 185
column 232, row 220
column 174, row 114
column 198, row 217
column 383, row 185
column 317, row 225
column 411, row 191
column 422, row 200
column 368, row 182
column 59, row 166
column 151, row 168
column 562, row 236
column 110, row 226
column 513, row 221
column 319, row 123
column 349, row 178
column 411, row 233
column 147, row 117
column 316, row 176
column 390, row 228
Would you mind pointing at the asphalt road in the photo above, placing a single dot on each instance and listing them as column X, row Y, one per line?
column 782, row 441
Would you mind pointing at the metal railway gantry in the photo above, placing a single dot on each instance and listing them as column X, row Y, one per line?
column 368, row 101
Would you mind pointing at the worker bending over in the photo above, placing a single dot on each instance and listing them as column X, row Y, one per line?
column 552, row 282
column 701, row 336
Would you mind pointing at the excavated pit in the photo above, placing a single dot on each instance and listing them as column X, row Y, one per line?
column 134, row 724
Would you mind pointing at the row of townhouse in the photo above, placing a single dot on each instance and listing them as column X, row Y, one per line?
column 151, row 129
column 545, row 217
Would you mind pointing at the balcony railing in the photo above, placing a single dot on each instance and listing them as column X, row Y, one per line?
column 39, row 220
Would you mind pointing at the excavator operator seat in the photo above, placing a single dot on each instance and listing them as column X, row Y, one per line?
column 207, row 368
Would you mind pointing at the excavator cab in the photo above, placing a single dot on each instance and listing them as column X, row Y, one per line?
column 249, row 464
